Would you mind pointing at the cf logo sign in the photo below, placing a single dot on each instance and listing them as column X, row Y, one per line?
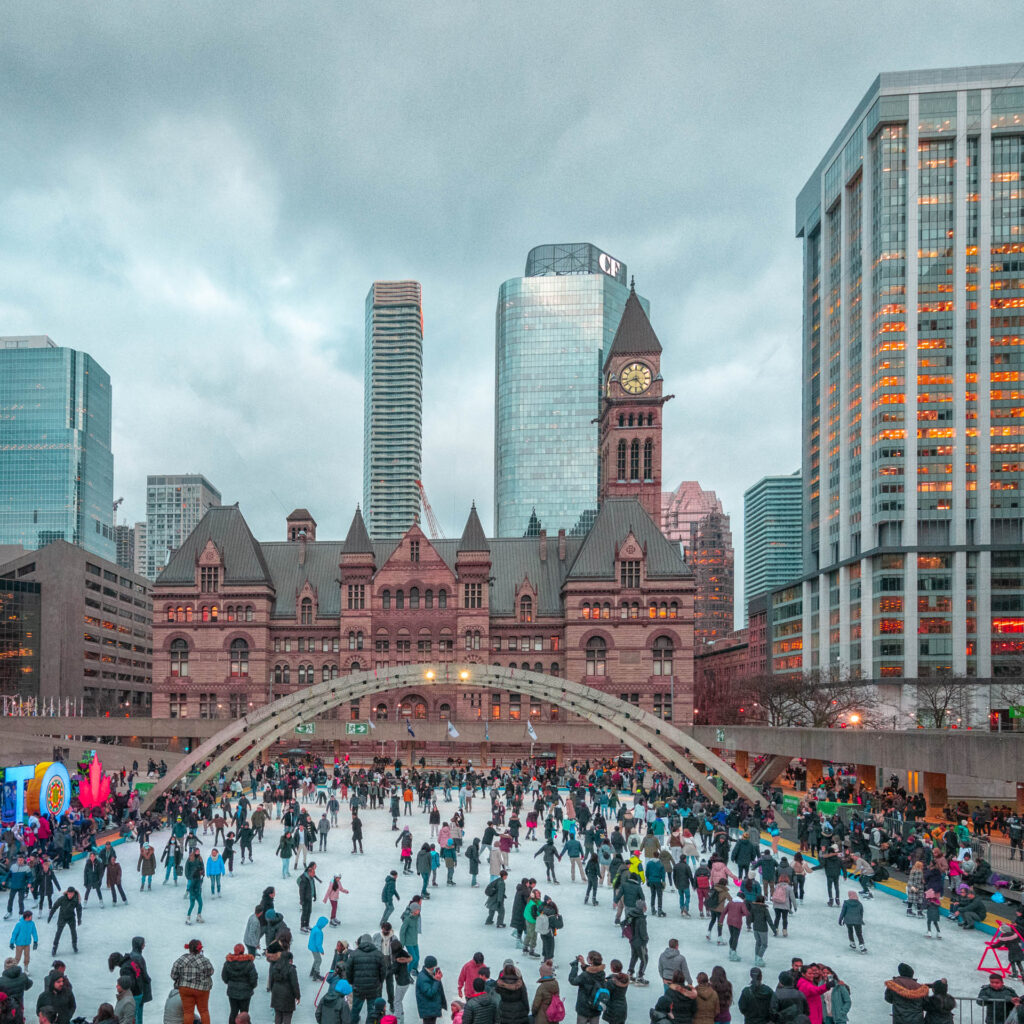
column 608, row 265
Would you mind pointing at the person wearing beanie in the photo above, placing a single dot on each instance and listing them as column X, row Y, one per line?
column 333, row 1009
column 852, row 915
column 906, row 995
column 240, row 977
column 192, row 974
column 546, row 990
column 755, row 1000
column 430, row 997
column 939, row 1006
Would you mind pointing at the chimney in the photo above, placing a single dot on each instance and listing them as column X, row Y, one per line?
column 302, row 547
column 543, row 545
column 561, row 545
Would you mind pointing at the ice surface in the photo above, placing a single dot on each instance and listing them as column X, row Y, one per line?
column 453, row 927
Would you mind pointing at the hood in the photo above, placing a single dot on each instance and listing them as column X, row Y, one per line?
column 908, row 988
column 137, row 943
column 234, row 958
column 321, row 923
column 509, row 984
column 365, row 943
column 14, row 971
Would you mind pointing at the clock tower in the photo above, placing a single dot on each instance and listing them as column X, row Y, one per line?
column 631, row 408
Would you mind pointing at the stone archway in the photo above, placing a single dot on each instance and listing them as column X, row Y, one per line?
column 663, row 745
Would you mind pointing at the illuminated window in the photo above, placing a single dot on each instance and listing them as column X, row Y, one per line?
column 526, row 608
column 585, row 610
column 239, row 658
column 381, row 714
column 170, row 614
column 179, row 657
column 213, row 613
column 444, row 712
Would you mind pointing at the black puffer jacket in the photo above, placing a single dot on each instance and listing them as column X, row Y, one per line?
column 14, row 982
column 906, row 996
column 513, row 1005
column 367, row 968
column 239, row 974
column 588, row 981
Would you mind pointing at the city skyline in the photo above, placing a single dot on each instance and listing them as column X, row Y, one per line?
column 178, row 234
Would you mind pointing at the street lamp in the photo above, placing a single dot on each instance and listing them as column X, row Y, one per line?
column 463, row 675
column 430, row 673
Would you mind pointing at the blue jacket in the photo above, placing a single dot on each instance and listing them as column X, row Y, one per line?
column 24, row 933
column 655, row 872
column 215, row 867
column 316, row 936
column 430, row 999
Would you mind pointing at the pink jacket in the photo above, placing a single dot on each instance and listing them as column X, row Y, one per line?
column 813, row 993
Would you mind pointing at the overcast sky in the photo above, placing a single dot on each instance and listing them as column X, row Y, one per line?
column 200, row 194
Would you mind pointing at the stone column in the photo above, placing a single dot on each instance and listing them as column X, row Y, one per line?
column 743, row 763
column 935, row 792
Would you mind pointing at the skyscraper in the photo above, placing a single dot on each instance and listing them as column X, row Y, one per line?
column 392, row 407
column 772, row 535
column 56, row 466
column 174, row 506
column 553, row 329
column 124, row 536
column 696, row 520
column 913, row 426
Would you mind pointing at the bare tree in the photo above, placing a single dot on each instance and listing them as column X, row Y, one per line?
column 944, row 700
column 820, row 699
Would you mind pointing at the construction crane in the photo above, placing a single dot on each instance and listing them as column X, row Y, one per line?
column 435, row 528
column 117, row 505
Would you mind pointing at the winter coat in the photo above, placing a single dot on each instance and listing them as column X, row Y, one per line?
column 906, row 996
column 409, row 930
column 997, row 1003
column 513, row 1005
column 671, row 961
column 113, row 874
column 124, row 1009
column 813, row 994
column 852, row 913
column 588, row 981
column 147, row 863
column 316, row 936
column 367, row 968
column 546, row 989
column 14, row 983
column 616, row 1010
column 754, row 1003
column 66, row 908
column 841, row 1002
column 239, row 975
column 333, row 1008
column 136, row 957
column 497, row 898
column 736, row 913
column 24, row 933
column 430, row 1000
column 92, row 873
column 253, row 930
column 707, row 1005
column 215, row 865
column 517, row 922
column 63, row 1003
column 938, row 1009
column 284, row 986
column 787, row 1003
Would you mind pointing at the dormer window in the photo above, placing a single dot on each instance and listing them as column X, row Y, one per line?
column 209, row 579
column 629, row 574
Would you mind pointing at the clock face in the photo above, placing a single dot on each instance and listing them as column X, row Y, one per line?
column 635, row 378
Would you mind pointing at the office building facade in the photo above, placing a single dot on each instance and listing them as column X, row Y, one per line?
column 913, row 418
column 553, row 328
column 772, row 535
column 174, row 506
column 392, row 407
column 56, row 465
column 20, row 624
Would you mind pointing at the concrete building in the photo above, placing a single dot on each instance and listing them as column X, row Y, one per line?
column 553, row 328
column 95, row 632
column 239, row 621
column 772, row 535
column 56, row 466
column 913, row 554
column 392, row 407
column 174, row 507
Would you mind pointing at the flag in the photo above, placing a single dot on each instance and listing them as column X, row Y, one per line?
column 531, row 732
column 452, row 731
column 369, row 722
column 408, row 729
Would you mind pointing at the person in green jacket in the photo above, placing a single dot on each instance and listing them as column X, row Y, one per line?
column 837, row 1001
column 285, row 849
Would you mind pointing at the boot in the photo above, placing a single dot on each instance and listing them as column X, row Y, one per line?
column 785, row 933
column 733, row 955
column 188, row 920
column 199, row 919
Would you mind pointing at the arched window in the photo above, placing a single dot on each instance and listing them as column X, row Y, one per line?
column 188, row 614
column 512, row 664
column 554, row 668
column 179, row 657
column 213, row 613
column 248, row 613
column 634, row 459
column 355, row 666
column 428, row 599
column 278, row 674
column 302, row 675
column 286, row 675
column 634, row 610
column 419, row 710
column 399, row 599
column 631, row 419
column 170, row 613
column 673, row 610
column 663, row 651
column 606, row 610
column 325, row 673
column 206, row 613
column 597, row 653
column 622, row 420
column 663, row 610
column 381, row 713
column 414, row 597
column 385, row 600
column 620, row 461
column 538, row 667
column 444, row 712
column 229, row 611
column 334, row 671
column 526, row 608
column 239, row 658
column 351, row 640
column 585, row 610
column 442, row 598
column 648, row 459
column 652, row 610
column 306, row 612
column 359, row 640
column 624, row 610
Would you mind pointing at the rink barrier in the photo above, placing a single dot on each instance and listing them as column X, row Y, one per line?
column 893, row 887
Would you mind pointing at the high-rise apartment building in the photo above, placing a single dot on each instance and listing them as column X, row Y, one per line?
column 913, row 417
column 694, row 518
column 140, row 549
column 553, row 328
column 56, row 466
column 392, row 407
column 124, row 537
column 174, row 506
column 772, row 535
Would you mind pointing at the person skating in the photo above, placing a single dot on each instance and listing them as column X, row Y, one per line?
column 113, row 878
column 69, row 914
column 145, row 982
column 24, row 938
column 549, row 854
column 316, row 947
column 636, row 930
column 671, row 961
column 194, row 887
column 388, row 895
column 430, row 997
column 906, row 995
column 852, row 915
column 285, row 993
column 240, row 978
column 755, row 1000
column 215, row 872
column 92, row 875
column 495, row 893
column 307, row 895
column 735, row 914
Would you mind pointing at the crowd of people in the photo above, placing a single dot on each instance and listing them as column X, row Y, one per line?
column 629, row 840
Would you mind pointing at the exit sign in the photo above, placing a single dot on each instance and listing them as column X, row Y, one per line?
column 1017, row 711
column 356, row 728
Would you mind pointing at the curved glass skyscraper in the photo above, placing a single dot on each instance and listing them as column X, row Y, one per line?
column 552, row 328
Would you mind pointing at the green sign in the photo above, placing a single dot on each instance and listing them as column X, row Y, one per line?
column 356, row 728
column 719, row 735
column 791, row 803
column 1017, row 711
column 305, row 730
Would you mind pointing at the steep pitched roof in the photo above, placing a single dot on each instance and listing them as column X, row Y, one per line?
column 299, row 513
column 616, row 519
column 634, row 335
column 226, row 527
column 358, row 540
column 473, row 536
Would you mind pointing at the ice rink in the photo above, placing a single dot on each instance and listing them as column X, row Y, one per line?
column 453, row 927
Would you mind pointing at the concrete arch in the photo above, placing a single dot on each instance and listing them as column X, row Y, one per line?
column 661, row 744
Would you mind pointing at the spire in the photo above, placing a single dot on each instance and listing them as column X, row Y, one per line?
column 533, row 527
column 635, row 335
column 473, row 538
column 358, row 540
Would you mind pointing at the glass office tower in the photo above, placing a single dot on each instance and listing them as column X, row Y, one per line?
column 913, row 413
column 392, row 407
column 56, row 466
column 552, row 328
column 772, row 535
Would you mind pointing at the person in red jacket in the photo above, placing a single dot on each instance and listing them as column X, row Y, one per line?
column 469, row 973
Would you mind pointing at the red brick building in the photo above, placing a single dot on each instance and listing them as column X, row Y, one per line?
column 238, row 622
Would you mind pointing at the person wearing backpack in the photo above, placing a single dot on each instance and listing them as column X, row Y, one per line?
column 495, row 893
column 618, row 981
column 716, row 903
column 636, row 930
column 782, row 903
column 547, row 1007
column 588, row 976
